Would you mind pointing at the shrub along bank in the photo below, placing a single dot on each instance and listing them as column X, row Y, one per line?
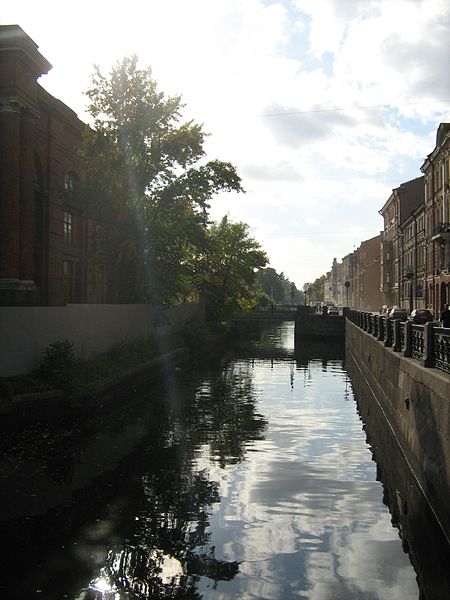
column 65, row 381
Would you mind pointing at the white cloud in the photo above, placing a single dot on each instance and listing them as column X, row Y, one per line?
column 312, row 221
column 235, row 61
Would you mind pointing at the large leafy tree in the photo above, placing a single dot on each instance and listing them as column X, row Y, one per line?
column 227, row 269
column 146, row 186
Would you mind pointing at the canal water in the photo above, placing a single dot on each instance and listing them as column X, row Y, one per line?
column 248, row 476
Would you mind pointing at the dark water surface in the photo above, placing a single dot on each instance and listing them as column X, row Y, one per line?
column 247, row 477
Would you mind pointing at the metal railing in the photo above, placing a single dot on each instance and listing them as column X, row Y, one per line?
column 441, row 228
column 275, row 308
column 428, row 343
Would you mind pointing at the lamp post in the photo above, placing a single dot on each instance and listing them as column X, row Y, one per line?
column 310, row 294
column 409, row 276
column 347, row 285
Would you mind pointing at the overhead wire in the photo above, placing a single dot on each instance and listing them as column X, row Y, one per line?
column 341, row 109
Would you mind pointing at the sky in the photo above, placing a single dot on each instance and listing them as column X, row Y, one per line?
column 323, row 106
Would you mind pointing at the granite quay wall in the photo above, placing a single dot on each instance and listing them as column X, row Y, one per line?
column 93, row 328
column 318, row 325
column 415, row 402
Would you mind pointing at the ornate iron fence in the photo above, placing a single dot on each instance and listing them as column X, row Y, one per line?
column 428, row 343
column 417, row 342
column 441, row 339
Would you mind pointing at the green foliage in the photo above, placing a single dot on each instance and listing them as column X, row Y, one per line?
column 79, row 378
column 197, row 335
column 60, row 369
column 317, row 288
column 246, row 304
column 146, row 187
column 58, row 364
column 227, row 269
column 278, row 287
column 263, row 299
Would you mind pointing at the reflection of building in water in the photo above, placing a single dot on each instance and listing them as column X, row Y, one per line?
column 422, row 537
column 318, row 350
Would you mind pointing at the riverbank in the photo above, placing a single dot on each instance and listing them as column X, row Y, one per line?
column 64, row 383
column 413, row 400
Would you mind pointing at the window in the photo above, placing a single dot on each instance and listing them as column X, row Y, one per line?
column 70, row 186
column 388, row 277
column 68, row 227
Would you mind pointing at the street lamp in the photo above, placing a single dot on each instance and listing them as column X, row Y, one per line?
column 347, row 285
column 409, row 276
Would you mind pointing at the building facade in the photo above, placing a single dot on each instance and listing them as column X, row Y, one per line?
column 398, row 273
column 389, row 258
column 367, row 295
column 46, row 236
column 436, row 170
column 413, row 270
column 414, row 246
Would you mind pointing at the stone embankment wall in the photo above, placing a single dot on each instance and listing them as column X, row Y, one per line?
column 26, row 331
column 319, row 326
column 415, row 402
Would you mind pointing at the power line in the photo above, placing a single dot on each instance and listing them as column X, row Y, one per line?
column 374, row 107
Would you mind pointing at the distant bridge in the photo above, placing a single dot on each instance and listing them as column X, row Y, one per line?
column 275, row 312
column 283, row 312
column 308, row 322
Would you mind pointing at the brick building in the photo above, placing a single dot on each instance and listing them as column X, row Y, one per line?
column 45, row 235
column 400, row 276
column 436, row 170
column 367, row 295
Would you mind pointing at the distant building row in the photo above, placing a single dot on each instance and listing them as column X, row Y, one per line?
column 408, row 264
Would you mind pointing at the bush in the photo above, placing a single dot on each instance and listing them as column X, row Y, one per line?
column 58, row 365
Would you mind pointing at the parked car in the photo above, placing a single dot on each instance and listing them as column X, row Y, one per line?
column 333, row 310
column 398, row 313
column 421, row 316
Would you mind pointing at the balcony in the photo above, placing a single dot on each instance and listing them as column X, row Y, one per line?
column 441, row 231
column 408, row 272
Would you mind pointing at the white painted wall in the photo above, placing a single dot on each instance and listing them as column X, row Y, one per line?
column 26, row 331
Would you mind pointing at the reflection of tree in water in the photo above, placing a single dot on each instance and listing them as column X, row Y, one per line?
column 152, row 511
column 255, row 339
column 165, row 555
column 223, row 415
column 173, row 525
column 168, row 551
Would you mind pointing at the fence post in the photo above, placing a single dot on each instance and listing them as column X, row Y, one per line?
column 397, row 338
column 388, row 338
column 428, row 349
column 408, row 339
column 376, row 326
column 381, row 328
